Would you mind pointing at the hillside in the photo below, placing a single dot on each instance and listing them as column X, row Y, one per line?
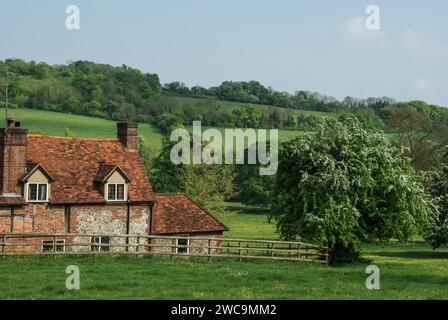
column 55, row 124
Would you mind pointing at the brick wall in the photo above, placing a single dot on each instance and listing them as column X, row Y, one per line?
column 13, row 145
column 101, row 220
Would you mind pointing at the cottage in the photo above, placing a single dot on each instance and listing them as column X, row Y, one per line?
column 90, row 187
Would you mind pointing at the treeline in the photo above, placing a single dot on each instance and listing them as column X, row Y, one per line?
column 82, row 87
column 125, row 93
column 254, row 92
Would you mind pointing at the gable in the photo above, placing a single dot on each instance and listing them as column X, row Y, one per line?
column 38, row 177
column 116, row 177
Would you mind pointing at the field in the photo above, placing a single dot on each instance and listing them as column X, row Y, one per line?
column 408, row 271
column 54, row 124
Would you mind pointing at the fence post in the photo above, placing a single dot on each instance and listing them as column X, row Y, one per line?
column 4, row 243
column 173, row 249
column 209, row 249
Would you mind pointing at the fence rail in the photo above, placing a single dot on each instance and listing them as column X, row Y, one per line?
column 20, row 244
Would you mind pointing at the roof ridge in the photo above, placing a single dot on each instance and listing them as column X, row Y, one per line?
column 72, row 138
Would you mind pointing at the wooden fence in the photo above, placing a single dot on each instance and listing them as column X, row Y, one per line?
column 188, row 246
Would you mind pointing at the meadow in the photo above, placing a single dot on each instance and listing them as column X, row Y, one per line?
column 407, row 271
column 55, row 124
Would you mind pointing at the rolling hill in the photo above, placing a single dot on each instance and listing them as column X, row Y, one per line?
column 55, row 124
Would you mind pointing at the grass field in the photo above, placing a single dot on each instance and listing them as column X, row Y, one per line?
column 408, row 271
column 54, row 124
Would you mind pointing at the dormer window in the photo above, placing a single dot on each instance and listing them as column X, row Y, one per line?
column 116, row 192
column 37, row 184
column 37, row 192
column 113, row 181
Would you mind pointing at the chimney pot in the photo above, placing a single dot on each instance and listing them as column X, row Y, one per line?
column 9, row 122
column 17, row 124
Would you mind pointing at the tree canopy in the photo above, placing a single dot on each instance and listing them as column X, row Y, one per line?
column 345, row 185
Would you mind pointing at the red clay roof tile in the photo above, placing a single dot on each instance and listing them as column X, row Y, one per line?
column 75, row 162
column 177, row 214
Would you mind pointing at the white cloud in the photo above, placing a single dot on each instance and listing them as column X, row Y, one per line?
column 423, row 84
column 356, row 27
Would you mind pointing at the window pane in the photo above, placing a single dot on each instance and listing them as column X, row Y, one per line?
column 60, row 247
column 32, row 192
column 105, row 242
column 47, row 245
column 182, row 245
column 120, row 191
column 42, row 192
column 95, row 240
column 100, row 244
column 111, row 192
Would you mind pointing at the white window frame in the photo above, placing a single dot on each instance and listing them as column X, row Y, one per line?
column 38, row 184
column 59, row 243
column 184, row 237
column 106, row 191
column 100, row 246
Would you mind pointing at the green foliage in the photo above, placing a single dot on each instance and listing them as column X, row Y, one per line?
column 439, row 190
column 166, row 122
column 68, row 133
column 345, row 185
column 204, row 183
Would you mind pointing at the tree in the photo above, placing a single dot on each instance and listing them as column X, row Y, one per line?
column 203, row 182
column 439, row 190
column 345, row 185
column 425, row 137
column 166, row 122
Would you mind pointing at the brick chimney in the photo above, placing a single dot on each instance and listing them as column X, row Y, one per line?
column 13, row 145
column 127, row 134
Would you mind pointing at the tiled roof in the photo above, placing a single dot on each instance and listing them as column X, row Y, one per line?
column 106, row 170
column 74, row 163
column 11, row 201
column 176, row 214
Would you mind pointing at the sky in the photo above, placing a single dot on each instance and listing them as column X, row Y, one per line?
column 290, row 45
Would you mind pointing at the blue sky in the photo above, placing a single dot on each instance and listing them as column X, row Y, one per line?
column 290, row 45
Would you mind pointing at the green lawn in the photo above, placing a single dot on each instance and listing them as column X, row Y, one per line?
column 246, row 222
column 407, row 272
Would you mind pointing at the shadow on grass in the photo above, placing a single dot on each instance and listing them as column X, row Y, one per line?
column 247, row 210
column 413, row 254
